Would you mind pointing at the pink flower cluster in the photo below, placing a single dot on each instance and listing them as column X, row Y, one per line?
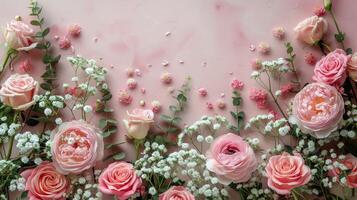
column 237, row 84
column 259, row 96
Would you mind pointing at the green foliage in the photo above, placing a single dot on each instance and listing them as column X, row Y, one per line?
column 115, row 156
column 237, row 115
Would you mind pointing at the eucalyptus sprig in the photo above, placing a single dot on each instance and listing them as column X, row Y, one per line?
column 238, row 115
column 290, row 59
column 48, row 59
column 172, row 120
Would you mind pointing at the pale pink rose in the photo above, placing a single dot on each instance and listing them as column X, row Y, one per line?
column 311, row 30
column 231, row 158
column 139, row 123
column 19, row 36
column 331, row 69
column 76, row 146
column 351, row 163
column 286, row 172
column 317, row 109
column 45, row 183
column 176, row 193
column 352, row 67
column 18, row 91
column 120, row 179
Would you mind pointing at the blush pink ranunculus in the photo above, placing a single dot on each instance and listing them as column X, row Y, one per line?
column 311, row 30
column 18, row 35
column 352, row 67
column 350, row 162
column 18, row 91
column 331, row 69
column 286, row 172
column 176, row 193
column 45, row 183
column 120, row 179
column 76, row 146
column 231, row 158
column 317, row 109
column 139, row 123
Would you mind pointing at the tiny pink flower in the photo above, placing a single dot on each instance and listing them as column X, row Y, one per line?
column 319, row 11
column 124, row 97
column 263, row 48
column 74, row 30
column 131, row 83
column 209, row 106
column 237, row 84
column 129, row 72
column 259, row 96
column 256, row 64
column 221, row 104
column 25, row 66
column 310, row 59
column 166, row 78
column 64, row 43
column 278, row 32
column 156, row 106
column 286, row 89
column 202, row 92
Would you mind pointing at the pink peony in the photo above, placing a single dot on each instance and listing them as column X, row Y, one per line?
column 352, row 67
column 286, row 172
column 76, row 146
column 237, row 84
column 351, row 163
column 231, row 158
column 311, row 30
column 260, row 97
column 176, row 193
column 318, row 108
column 19, row 36
column 18, row 91
column 45, row 183
column 119, row 179
column 138, row 124
column 331, row 69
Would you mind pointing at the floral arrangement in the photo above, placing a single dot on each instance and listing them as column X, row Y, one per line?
column 205, row 160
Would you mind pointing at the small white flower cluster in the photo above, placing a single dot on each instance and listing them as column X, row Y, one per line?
column 90, row 67
column 268, row 126
column 49, row 103
column 253, row 142
column 83, row 190
column 274, row 67
column 27, row 142
column 7, row 130
column 17, row 184
column 350, row 123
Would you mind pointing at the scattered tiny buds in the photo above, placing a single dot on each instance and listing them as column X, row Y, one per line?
column 256, row 64
column 142, row 103
column 124, row 97
column 252, row 47
column 310, row 59
column 131, row 83
column 223, row 95
column 143, row 90
column 74, row 30
column 156, row 106
column 221, row 104
column 209, row 105
column 202, row 92
column 64, row 43
column 166, row 78
column 263, row 48
column 129, row 72
column 138, row 72
column 278, row 32
column 237, row 84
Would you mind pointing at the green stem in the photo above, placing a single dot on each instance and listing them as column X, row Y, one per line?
column 337, row 27
column 9, row 150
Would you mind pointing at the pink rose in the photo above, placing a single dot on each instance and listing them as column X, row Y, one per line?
column 76, row 146
column 231, row 158
column 139, row 123
column 311, row 29
column 286, row 172
column 350, row 162
column 45, row 183
column 352, row 67
column 18, row 91
column 119, row 179
column 19, row 36
column 317, row 109
column 331, row 69
column 177, row 193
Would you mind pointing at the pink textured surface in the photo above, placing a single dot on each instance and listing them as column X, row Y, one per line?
column 216, row 32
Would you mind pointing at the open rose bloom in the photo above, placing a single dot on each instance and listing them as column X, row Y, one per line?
column 139, row 123
column 76, row 146
column 317, row 109
column 44, row 182
column 311, row 30
column 18, row 35
column 177, row 193
column 286, row 172
column 120, row 179
column 231, row 158
column 18, row 91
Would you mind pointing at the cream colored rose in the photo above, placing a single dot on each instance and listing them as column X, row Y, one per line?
column 352, row 67
column 19, row 36
column 139, row 123
column 18, row 91
column 311, row 30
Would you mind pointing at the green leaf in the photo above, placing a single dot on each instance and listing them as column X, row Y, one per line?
column 181, row 98
column 109, row 132
column 108, row 146
column 102, row 123
column 234, row 115
column 173, row 108
column 115, row 156
column 107, row 97
column 349, row 51
column 166, row 118
column 45, row 32
column 340, row 37
column 23, row 196
column 47, row 59
column 35, row 23
column 46, row 86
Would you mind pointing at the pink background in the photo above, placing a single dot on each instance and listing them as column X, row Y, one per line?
column 218, row 32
